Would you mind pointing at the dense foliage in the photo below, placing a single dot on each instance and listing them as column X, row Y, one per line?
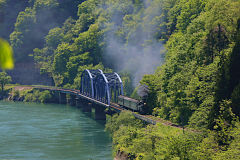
column 37, row 96
column 150, row 142
column 200, row 76
column 9, row 10
column 4, row 79
column 34, row 22
column 199, row 83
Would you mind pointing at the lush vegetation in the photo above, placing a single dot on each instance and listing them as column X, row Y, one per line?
column 197, row 86
column 37, row 96
column 31, row 95
column 4, row 79
column 200, row 75
column 141, row 142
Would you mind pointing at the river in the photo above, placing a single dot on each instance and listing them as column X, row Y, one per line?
column 30, row 131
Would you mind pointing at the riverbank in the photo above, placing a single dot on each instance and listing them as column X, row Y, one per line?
column 18, row 93
column 29, row 94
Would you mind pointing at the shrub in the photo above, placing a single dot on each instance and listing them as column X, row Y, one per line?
column 37, row 96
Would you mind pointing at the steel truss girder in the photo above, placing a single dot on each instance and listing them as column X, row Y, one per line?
column 101, row 86
column 87, row 83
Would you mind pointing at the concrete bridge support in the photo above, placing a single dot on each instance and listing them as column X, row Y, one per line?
column 72, row 100
column 78, row 102
column 100, row 112
column 55, row 97
column 62, row 98
column 86, row 106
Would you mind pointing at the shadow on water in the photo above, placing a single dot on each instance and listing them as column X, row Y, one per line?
column 90, row 115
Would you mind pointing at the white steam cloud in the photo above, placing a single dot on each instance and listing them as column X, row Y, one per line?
column 136, row 60
column 142, row 55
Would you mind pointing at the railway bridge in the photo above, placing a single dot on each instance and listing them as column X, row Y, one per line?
column 97, row 90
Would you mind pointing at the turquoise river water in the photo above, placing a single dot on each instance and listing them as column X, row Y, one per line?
column 51, row 132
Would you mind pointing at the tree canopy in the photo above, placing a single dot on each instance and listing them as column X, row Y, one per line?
column 4, row 79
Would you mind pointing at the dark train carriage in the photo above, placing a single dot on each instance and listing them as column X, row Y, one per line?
column 130, row 103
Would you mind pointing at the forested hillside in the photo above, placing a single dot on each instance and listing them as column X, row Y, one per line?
column 25, row 24
column 187, row 51
column 9, row 10
column 107, row 34
column 200, row 79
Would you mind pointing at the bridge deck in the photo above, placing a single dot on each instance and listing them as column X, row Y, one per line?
column 113, row 106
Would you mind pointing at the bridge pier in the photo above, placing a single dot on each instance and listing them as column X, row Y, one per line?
column 62, row 98
column 86, row 106
column 78, row 102
column 55, row 97
column 72, row 100
column 100, row 112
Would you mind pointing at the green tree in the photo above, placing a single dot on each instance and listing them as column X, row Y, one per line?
column 4, row 79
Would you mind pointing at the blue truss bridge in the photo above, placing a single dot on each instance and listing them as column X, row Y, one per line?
column 104, row 87
column 97, row 90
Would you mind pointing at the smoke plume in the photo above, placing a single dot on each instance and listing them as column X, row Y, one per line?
column 140, row 54
column 143, row 90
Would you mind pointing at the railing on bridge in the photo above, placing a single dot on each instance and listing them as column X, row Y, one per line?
column 104, row 87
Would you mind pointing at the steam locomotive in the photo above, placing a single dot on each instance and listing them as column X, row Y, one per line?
column 133, row 104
